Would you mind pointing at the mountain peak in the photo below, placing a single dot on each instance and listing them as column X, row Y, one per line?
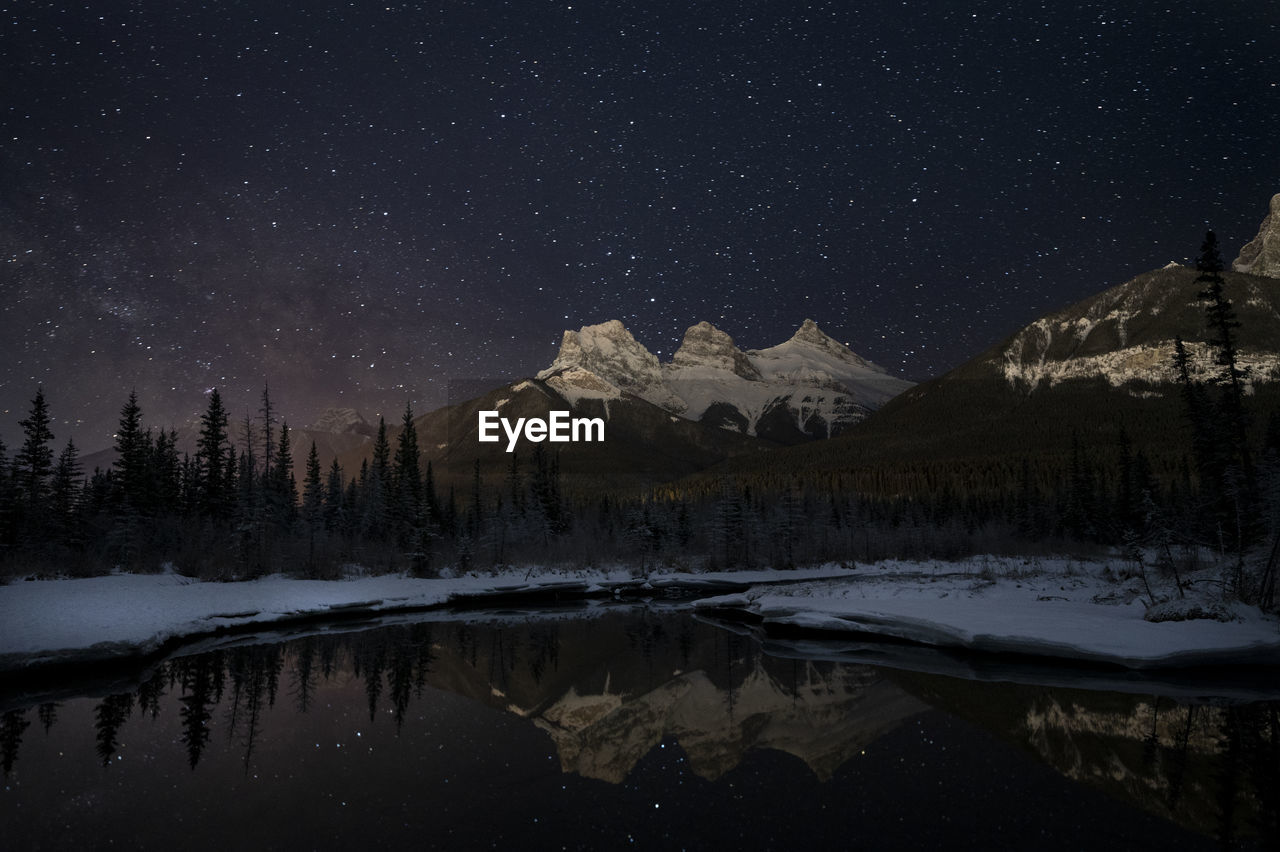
column 1261, row 255
column 607, row 352
column 810, row 335
column 809, row 386
column 340, row 421
column 704, row 345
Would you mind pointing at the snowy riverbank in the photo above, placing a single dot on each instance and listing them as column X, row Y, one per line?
column 1067, row 609
column 1056, row 608
column 123, row 615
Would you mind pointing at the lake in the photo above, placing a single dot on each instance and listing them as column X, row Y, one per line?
column 621, row 726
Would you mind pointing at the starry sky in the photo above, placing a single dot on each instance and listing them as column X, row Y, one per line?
column 360, row 202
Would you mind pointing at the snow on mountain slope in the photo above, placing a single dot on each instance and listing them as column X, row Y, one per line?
column 813, row 359
column 1125, row 334
column 597, row 356
column 809, row 386
column 340, row 421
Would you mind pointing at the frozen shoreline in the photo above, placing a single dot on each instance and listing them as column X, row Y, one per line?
column 1057, row 609
column 1054, row 609
column 46, row 622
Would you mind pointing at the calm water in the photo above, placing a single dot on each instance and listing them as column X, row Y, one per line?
column 611, row 729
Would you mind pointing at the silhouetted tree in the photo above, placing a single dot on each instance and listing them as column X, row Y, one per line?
column 313, row 490
column 33, row 464
column 408, row 482
column 268, row 431
column 12, row 725
column 211, row 454
column 65, row 493
column 283, row 490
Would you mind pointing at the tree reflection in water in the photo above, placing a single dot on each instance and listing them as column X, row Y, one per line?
column 608, row 691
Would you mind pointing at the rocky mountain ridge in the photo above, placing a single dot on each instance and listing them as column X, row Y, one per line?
column 810, row 386
column 1261, row 255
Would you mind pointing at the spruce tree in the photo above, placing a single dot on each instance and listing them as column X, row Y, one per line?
column 429, row 495
column 1222, row 322
column 312, row 503
column 408, row 482
column 211, row 456
column 6, row 501
column 334, row 499
column 65, row 492
column 375, row 486
column 33, row 464
column 268, row 431
column 131, row 460
column 313, row 490
column 381, row 464
column 285, row 488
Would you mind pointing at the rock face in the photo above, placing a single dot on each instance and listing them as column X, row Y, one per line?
column 811, row 386
column 705, row 345
column 1125, row 335
column 1261, row 255
column 608, row 352
column 341, row 421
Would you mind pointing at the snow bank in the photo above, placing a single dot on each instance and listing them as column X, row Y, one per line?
column 50, row 621
column 1057, row 610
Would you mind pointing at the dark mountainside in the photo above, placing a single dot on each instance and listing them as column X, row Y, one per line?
column 1070, row 382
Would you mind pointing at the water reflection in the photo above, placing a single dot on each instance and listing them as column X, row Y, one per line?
column 609, row 691
column 1213, row 768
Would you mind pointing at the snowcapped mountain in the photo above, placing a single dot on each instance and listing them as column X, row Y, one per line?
column 1077, row 377
column 342, row 421
column 810, row 386
column 1125, row 335
column 603, row 361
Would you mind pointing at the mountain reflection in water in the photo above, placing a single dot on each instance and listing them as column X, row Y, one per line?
column 614, row 690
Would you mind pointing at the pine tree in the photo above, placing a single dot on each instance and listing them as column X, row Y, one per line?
column 131, row 449
column 166, row 470
column 249, row 455
column 429, row 495
column 1220, row 316
column 334, row 498
column 285, row 488
column 7, row 498
column 408, row 482
column 1197, row 408
column 381, row 450
column 1222, row 322
column 312, row 503
column 230, row 474
column 515, row 484
column 313, row 490
column 65, row 492
column 211, row 456
column 33, row 465
column 268, row 431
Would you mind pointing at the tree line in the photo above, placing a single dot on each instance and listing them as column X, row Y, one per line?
column 237, row 509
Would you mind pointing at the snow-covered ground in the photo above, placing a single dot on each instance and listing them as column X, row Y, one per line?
column 1085, row 611
column 98, row 618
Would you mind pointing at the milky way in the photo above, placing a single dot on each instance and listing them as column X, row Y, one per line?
column 360, row 202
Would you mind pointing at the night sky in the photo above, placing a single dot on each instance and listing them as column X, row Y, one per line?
column 360, row 202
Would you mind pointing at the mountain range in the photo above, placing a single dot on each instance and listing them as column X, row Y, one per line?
column 810, row 386
column 1080, row 376
column 1084, row 373
column 712, row 402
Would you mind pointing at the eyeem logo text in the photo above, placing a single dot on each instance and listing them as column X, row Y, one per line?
column 558, row 428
